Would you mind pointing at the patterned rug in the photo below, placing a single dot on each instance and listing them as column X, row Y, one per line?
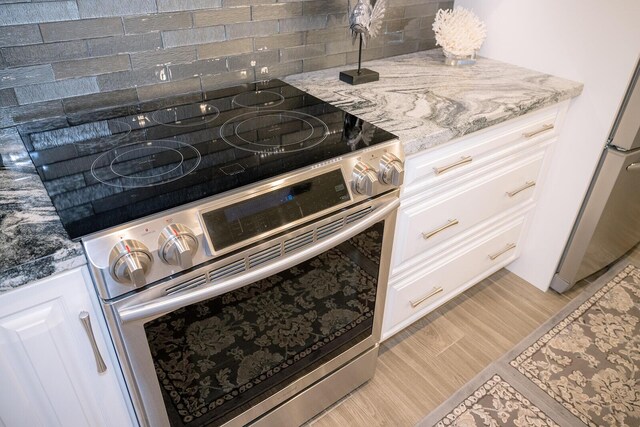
column 579, row 368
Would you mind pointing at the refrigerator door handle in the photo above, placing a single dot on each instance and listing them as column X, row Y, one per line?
column 634, row 167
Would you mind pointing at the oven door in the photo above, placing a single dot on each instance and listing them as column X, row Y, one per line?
column 197, row 350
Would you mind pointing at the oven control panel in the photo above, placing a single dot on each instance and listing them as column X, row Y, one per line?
column 167, row 244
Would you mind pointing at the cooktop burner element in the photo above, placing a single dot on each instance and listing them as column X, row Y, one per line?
column 258, row 99
column 186, row 115
column 112, row 166
column 274, row 131
column 145, row 164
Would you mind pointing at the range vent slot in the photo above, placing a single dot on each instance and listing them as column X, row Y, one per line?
column 298, row 242
column 227, row 270
column 357, row 215
column 328, row 229
column 189, row 284
column 264, row 256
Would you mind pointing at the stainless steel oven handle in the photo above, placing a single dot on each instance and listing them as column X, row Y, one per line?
column 169, row 303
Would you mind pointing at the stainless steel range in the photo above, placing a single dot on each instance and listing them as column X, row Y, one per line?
column 240, row 242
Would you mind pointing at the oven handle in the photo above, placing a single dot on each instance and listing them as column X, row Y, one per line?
column 159, row 306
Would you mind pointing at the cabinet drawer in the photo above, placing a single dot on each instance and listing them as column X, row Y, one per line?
column 446, row 277
column 423, row 226
column 473, row 152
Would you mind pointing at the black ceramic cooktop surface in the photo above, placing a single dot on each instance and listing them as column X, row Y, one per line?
column 108, row 167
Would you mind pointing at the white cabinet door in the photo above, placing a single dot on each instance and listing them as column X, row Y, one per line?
column 48, row 371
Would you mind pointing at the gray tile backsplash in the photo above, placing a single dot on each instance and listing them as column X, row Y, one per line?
column 64, row 56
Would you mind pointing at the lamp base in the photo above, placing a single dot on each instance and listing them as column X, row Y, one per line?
column 354, row 78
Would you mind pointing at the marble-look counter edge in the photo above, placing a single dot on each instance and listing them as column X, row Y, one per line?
column 33, row 243
column 427, row 103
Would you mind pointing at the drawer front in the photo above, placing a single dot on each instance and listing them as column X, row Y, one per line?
column 473, row 152
column 424, row 226
column 447, row 277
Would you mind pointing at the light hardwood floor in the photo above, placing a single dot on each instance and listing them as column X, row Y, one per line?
column 420, row 367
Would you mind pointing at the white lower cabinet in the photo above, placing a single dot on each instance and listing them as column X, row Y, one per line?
column 464, row 212
column 449, row 274
column 49, row 372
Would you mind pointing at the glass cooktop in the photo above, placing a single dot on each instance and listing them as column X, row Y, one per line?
column 108, row 167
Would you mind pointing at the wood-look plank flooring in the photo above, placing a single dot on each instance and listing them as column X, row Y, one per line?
column 421, row 366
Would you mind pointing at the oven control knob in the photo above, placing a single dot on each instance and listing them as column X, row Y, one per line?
column 129, row 262
column 177, row 245
column 391, row 170
column 365, row 179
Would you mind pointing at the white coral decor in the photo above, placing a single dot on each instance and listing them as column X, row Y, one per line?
column 459, row 31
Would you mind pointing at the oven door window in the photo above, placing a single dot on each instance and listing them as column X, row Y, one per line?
column 217, row 358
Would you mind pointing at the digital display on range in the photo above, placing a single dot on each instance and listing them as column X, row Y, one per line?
column 243, row 220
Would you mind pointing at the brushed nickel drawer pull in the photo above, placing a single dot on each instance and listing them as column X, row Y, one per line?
column 544, row 128
column 432, row 233
column 527, row 184
column 502, row 251
column 86, row 324
column 633, row 167
column 434, row 291
column 463, row 160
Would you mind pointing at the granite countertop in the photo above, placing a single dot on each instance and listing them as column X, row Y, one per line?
column 33, row 244
column 427, row 103
column 423, row 101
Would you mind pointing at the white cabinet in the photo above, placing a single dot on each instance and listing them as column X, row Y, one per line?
column 464, row 212
column 48, row 369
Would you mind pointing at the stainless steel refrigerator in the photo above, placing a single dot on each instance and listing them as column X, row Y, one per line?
column 609, row 222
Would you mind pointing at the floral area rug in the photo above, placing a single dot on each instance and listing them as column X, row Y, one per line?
column 589, row 362
column 580, row 368
column 496, row 402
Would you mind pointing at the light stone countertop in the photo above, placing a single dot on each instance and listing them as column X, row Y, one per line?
column 33, row 244
column 418, row 98
column 427, row 103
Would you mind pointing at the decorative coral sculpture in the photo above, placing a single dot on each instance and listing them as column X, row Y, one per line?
column 459, row 31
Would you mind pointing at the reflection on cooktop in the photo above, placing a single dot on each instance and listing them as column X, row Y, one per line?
column 111, row 166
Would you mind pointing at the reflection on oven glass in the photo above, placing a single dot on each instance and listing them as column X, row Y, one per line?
column 217, row 358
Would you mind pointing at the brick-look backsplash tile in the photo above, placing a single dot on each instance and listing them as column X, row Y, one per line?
column 124, row 44
column 168, row 89
column 301, row 52
column 193, row 36
column 91, row 66
column 101, row 8
column 159, row 22
column 154, row 58
column 81, row 29
column 251, row 29
column 56, row 90
column 91, row 54
column 275, row 11
column 207, row 18
column 44, row 53
column 279, row 41
column 19, row 35
column 177, row 5
column 134, row 78
column 256, row 60
column 30, row 13
column 8, row 98
column 12, row 116
column 13, row 77
column 197, row 68
column 224, row 49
